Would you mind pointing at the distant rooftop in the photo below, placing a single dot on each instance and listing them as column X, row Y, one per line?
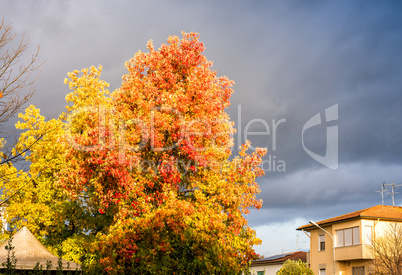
column 385, row 212
column 29, row 251
column 280, row 258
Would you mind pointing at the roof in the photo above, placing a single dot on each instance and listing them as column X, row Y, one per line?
column 385, row 212
column 28, row 251
column 281, row 258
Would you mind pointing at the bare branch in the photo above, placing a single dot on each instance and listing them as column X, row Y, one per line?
column 387, row 250
column 16, row 82
column 16, row 85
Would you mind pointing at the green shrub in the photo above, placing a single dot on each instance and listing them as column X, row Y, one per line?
column 295, row 268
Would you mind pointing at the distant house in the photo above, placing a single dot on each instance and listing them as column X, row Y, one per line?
column 29, row 252
column 272, row 264
column 352, row 235
column 4, row 225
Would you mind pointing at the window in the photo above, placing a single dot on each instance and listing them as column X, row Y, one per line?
column 358, row 270
column 321, row 242
column 339, row 238
column 367, row 234
column 347, row 236
column 322, row 271
column 260, row 272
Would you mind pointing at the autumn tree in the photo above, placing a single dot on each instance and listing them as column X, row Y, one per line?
column 387, row 250
column 16, row 83
column 36, row 200
column 147, row 169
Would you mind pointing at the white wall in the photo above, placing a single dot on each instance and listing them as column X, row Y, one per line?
column 269, row 269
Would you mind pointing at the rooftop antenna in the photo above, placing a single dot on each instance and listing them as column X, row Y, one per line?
column 393, row 192
column 298, row 242
column 382, row 192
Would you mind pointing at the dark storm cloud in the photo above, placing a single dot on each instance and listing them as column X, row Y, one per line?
column 308, row 192
column 290, row 60
column 349, row 58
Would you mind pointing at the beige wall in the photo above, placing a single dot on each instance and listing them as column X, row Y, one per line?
column 321, row 259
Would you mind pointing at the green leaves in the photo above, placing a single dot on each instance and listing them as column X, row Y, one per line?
column 291, row 267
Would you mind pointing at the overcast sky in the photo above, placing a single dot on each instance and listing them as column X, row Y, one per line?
column 290, row 60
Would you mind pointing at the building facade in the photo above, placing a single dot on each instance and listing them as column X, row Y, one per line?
column 343, row 243
column 4, row 225
column 271, row 265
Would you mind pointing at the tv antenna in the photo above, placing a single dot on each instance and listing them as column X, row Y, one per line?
column 382, row 191
column 298, row 241
column 393, row 191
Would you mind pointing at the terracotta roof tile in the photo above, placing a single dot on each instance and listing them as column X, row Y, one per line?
column 380, row 211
